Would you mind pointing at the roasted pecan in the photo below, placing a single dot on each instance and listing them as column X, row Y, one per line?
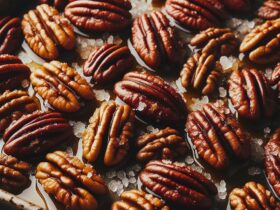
column 251, row 94
column 138, row 200
column 252, row 196
column 238, row 6
column 111, row 124
column 58, row 4
column 263, row 43
column 217, row 136
column 108, row 63
column 36, row 134
column 70, row 181
column 152, row 97
column 275, row 78
column 186, row 188
column 61, row 86
column 155, row 40
column 269, row 10
column 13, row 174
column 99, row 15
column 46, row 31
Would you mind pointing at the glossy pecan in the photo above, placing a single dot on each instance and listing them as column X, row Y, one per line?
column 238, row 6
column 138, row 200
column 99, row 15
column 155, row 41
column 45, row 31
column 262, row 44
column 178, row 185
column 58, row 4
column 269, row 10
column 251, row 94
column 35, row 134
column 275, row 78
column 61, row 86
column 152, row 97
column 108, row 63
column 253, row 196
column 112, row 125
column 70, row 181
column 217, row 136
column 13, row 174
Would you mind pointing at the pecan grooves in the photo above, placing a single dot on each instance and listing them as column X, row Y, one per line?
column 275, row 79
column 269, row 10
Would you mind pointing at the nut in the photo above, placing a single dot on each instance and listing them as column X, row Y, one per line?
column 155, row 41
column 269, row 10
column 35, row 134
column 263, row 42
column 70, row 181
column 164, row 144
column 108, row 63
column 61, row 86
column 100, row 15
column 152, row 97
column 13, row 174
column 178, row 185
column 135, row 199
column 252, row 196
column 251, row 94
column 238, row 6
column 58, row 4
column 46, row 31
column 217, row 136
column 275, row 78
column 111, row 124
column 11, row 35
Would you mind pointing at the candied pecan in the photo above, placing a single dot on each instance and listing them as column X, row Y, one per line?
column 138, row 200
column 61, row 86
column 111, row 124
column 253, row 196
column 99, row 15
column 186, row 188
column 238, row 6
column 263, row 43
column 217, row 136
column 45, row 31
column 58, row 4
column 70, row 181
column 152, row 97
column 155, row 40
column 275, row 78
column 13, row 174
column 269, row 10
column 35, row 134
column 108, row 62
column 164, row 144
column 251, row 94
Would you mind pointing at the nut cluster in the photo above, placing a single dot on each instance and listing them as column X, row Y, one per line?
column 269, row 10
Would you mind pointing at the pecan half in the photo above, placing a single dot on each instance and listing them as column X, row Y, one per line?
column 111, row 124
column 10, row 35
column 108, row 63
column 275, row 78
column 46, row 31
column 253, row 196
column 36, row 134
column 269, row 10
column 217, row 136
column 263, row 43
column 152, row 97
column 238, row 6
column 13, row 174
column 61, row 86
column 155, row 41
column 99, row 15
column 251, row 94
column 181, row 186
column 58, row 4
column 70, row 181
column 138, row 200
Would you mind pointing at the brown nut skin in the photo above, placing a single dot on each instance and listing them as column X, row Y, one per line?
column 252, row 196
column 45, row 31
column 269, row 10
column 138, row 200
column 210, row 129
column 275, row 79
column 99, row 15
column 58, row 4
column 262, row 43
column 164, row 144
column 108, row 63
column 180, row 186
column 152, row 98
column 112, row 125
column 70, row 181
column 238, row 7
column 13, row 174
column 61, row 86
column 35, row 134
column 251, row 94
